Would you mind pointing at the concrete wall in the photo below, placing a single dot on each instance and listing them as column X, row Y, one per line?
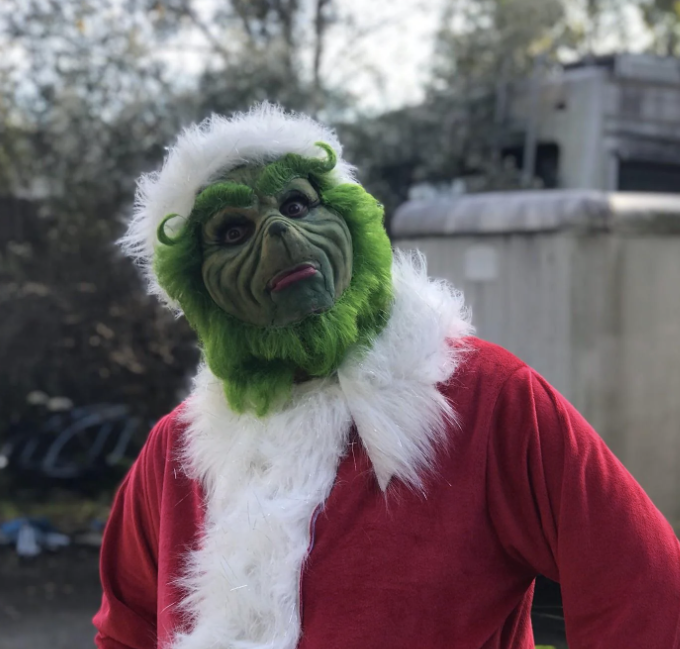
column 650, row 366
column 598, row 314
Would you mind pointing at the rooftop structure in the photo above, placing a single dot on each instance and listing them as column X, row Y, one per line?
column 608, row 123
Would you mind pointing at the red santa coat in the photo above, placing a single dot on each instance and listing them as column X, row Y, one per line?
column 519, row 485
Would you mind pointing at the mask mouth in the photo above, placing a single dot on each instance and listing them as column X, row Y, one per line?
column 291, row 275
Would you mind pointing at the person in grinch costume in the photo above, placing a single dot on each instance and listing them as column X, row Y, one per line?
column 353, row 469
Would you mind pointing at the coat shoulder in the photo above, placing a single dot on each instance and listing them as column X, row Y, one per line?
column 165, row 437
column 485, row 361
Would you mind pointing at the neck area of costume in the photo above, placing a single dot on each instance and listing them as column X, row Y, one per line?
column 280, row 270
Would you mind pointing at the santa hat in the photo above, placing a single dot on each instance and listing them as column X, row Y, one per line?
column 204, row 151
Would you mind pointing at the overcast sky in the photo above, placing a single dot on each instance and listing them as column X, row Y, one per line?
column 394, row 46
column 389, row 63
column 400, row 48
column 384, row 58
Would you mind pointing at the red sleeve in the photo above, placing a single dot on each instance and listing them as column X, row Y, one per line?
column 565, row 506
column 129, row 554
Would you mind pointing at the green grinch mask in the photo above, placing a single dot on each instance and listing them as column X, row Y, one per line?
column 280, row 270
column 272, row 259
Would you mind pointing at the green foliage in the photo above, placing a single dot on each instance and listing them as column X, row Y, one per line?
column 484, row 53
column 663, row 20
column 481, row 49
column 259, row 365
column 86, row 104
column 479, row 41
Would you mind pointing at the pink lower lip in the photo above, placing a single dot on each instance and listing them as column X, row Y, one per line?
column 286, row 279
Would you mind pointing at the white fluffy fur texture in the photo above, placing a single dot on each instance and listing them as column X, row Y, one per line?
column 392, row 389
column 204, row 151
column 264, row 478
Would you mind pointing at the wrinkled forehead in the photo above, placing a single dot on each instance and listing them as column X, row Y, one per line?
column 264, row 179
column 268, row 179
column 247, row 185
column 248, row 175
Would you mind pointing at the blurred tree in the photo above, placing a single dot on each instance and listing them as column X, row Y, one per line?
column 481, row 50
column 263, row 49
column 84, row 109
column 90, row 94
column 598, row 26
column 662, row 17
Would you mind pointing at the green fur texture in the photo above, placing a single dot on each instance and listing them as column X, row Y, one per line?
column 258, row 366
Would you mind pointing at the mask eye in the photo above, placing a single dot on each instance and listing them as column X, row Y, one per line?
column 295, row 208
column 234, row 234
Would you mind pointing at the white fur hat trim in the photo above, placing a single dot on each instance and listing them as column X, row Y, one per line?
column 206, row 150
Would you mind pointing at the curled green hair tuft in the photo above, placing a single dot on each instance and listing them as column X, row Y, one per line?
column 162, row 235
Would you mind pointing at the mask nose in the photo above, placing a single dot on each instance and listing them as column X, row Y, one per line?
column 277, row 229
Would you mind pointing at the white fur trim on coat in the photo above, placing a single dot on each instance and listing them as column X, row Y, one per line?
column 264, row 478
column 206, row 150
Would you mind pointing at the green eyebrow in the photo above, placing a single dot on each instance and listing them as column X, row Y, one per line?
column 220, row 195
column 276, row 175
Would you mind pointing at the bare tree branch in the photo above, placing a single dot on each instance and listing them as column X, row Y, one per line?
column 188, row 11
column 241, row 10
column 286, row 12
column 319, row 33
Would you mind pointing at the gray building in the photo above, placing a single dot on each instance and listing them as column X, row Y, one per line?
column 609, row 123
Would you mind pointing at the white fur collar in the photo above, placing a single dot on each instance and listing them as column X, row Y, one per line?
column 264, row 478
column 392, row 390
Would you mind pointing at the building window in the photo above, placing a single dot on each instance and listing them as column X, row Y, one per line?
column 547, row 162
column 641, row 176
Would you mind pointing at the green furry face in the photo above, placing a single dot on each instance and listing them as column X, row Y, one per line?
column 277, row 259
column 257, row 358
